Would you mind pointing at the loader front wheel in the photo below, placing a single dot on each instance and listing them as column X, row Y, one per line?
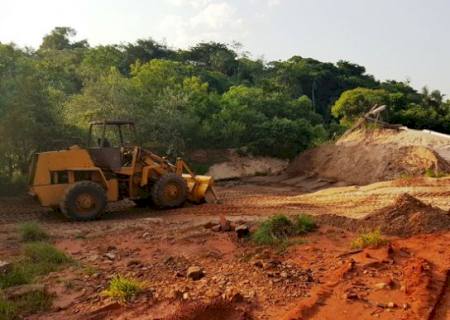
column 84, row 201
column 170, row 191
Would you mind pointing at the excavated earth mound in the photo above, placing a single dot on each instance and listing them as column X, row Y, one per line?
column 405, row 217
column 408, row 216
column 369, row 156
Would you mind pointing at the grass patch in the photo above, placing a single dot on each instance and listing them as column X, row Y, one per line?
column 372, row 239
column 31, row 231
column 39, row 259
column 45, row 252
column 123, row 289
column 30, row 303
column 278, row 229
column 8, row 310
column 434, row 174
column 304, row 224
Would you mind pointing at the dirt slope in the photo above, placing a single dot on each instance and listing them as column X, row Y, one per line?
column 367, row 156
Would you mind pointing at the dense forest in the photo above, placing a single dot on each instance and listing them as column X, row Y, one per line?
column 210, row 96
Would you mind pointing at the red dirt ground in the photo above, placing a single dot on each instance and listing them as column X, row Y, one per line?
column 320, row 277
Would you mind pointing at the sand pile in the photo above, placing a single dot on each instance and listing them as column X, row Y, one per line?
column 405, row 217
column 368, row 156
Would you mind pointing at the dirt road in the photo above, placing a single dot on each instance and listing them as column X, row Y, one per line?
column 318, row 278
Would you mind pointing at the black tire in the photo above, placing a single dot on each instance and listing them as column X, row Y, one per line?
column 169, row 191
column 143, row 203
column 84, row 201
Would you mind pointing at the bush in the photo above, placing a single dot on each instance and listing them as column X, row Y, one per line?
column 304, row 224
column 40, row 259
column 8, row 310
column 13, row 187
column 42, row 252
column 123, row 289
column 27, row 304
column 372, row 239
column 31, row 231
column 278, row 229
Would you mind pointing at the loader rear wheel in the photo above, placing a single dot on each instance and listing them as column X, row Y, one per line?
column 170, row 191
column 83, row 201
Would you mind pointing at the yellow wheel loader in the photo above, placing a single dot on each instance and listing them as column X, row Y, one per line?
column 80, row 181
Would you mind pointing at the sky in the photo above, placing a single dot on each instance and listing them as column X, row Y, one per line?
column 393, row 39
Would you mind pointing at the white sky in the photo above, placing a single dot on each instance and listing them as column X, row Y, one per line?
column 393, row 39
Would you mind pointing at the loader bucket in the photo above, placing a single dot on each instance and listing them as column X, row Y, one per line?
column 198, row 187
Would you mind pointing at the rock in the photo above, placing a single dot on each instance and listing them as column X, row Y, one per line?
column 5, row 267
column 132, row 263
column 284, row 274
column 186, row 296
column 242, row 231
column 110, row 255
column 350, row 296
column 231, row 294
column 225, row 225
column 391, row 305
column 19, row 291
column 216, row 228
column 405, row 306
column 195, row 273
column 381, row 285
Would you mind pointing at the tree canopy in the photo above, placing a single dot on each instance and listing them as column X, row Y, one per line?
column 209, row 96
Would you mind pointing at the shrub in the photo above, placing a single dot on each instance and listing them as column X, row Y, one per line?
column 274, row 230
column 123, row 289
column 42, row 252
column 279, row 228
column 304, row 224
column 31, row 231
column 372, row 239
column 30, row 303
column 8, row 310
column 40, row 259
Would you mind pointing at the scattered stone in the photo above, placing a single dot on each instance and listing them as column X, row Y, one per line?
column 195, row 273
column 242, row 231
column 186, row 296
column 5, row 267
column 20, row 291
column 225, row 225
column 391, row 305
column 110, row 255
column 216, row 228
column 381, row 286
column 132, row 263
column 405, row 306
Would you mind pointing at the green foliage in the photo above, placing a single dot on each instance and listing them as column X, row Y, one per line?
column 304, row 224
column 39, row 259
column 8, row 310
column 353, row 103
column 32, row 231
column 211, row 96
column 372, row 239
column 278, row 229
column 41, row 252
column 123, row 289
column 434, row 174
column 25, row 305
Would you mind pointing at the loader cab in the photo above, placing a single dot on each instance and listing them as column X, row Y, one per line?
column 111, row 143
